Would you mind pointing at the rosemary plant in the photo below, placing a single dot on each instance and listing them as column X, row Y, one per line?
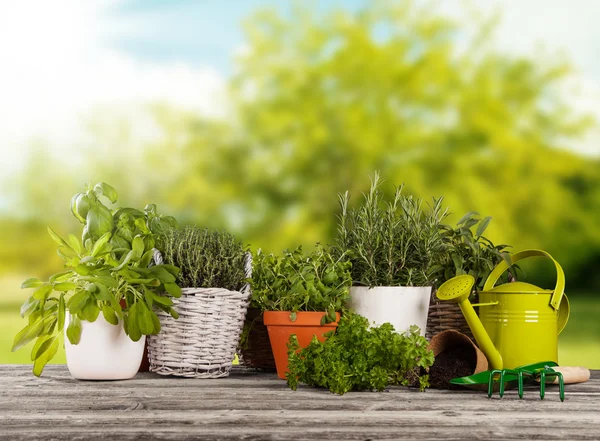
column 207, row 258
column 391, row 243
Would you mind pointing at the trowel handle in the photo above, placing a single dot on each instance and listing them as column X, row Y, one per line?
column 503, row 266
column 571, row 374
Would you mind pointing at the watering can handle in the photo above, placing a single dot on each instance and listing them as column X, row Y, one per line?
column 503, row 266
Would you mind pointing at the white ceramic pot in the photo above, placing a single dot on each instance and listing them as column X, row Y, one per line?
column 402, row 306
column 104, row 352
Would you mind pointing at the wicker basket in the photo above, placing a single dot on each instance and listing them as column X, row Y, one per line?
column 202, row 342
column 256, row 351
column 443, row 316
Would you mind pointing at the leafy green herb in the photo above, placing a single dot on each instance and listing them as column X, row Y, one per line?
column 356, row 357
column 298, row 282
column 101, row 274
column 124, row 224
column 471, row 253
column 391, row 243
column 208, row 259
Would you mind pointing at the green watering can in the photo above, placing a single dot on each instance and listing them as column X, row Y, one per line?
column 518, row 322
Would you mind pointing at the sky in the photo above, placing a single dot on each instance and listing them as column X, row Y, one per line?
column 62, row 60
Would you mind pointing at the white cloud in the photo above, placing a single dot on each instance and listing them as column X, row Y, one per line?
column 56, row 66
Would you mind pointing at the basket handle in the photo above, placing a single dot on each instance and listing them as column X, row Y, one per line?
column 559, row 289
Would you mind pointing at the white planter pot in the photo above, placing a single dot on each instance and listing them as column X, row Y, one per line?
column 402, row 306
column 104, row 352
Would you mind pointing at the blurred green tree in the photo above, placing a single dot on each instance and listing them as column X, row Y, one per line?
column 323, row 100
column 319, row 101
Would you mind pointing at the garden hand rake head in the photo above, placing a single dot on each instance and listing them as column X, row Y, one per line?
column 497, row 379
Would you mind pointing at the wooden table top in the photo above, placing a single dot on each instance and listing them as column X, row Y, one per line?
column 258, row 406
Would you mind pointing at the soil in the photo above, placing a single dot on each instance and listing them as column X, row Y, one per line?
column 456, row 361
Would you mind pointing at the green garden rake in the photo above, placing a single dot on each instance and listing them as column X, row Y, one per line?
column 498, row 379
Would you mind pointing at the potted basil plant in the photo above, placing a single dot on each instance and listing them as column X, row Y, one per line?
column 300, row 294
column 104, row 300
column 395, row 246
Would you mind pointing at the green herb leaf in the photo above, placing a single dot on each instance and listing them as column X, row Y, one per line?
column 31, row 283
column 75, row 243
column 133, row 326
column 162, row 274
column 59, row 240
column 144, row 319
column 42, row 292
column 162, row 300
column 109, row 315
column 29, row 305
column 100, row 243
column 129, row 256
column 28, row 333
column 173, row 289
column 483, row 225
column 77, row 301
column 42, row 343
column 106, row 190
column 149, row 298
column 44, row 357
column 90, row 311
column 74, row 210
column 65, row 286
column 146, row 258
column 61, row 277
column 74, row 329
column 61, row 313
column 467, row 217
column 155, row 322
column 138, row 246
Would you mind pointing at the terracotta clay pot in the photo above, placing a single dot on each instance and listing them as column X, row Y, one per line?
column 450, row 338
column 305, row 326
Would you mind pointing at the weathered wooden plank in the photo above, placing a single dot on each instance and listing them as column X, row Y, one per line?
column 250, row 405
column 481, row 432
column 20, row 376
column 300, row 422
column 283, row 431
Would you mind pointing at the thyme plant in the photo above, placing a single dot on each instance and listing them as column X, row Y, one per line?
column 207, row 258
column 391, row 243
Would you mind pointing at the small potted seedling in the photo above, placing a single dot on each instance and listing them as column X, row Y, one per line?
column 395, row 246
column 300, row 294
column 104, row 299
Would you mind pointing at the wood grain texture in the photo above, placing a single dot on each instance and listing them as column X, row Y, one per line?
column 258, row 406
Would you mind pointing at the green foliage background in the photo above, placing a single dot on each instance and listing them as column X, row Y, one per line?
column 317, row 103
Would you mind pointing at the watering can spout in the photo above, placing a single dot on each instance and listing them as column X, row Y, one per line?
column 457, row 290
column 481, row 336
